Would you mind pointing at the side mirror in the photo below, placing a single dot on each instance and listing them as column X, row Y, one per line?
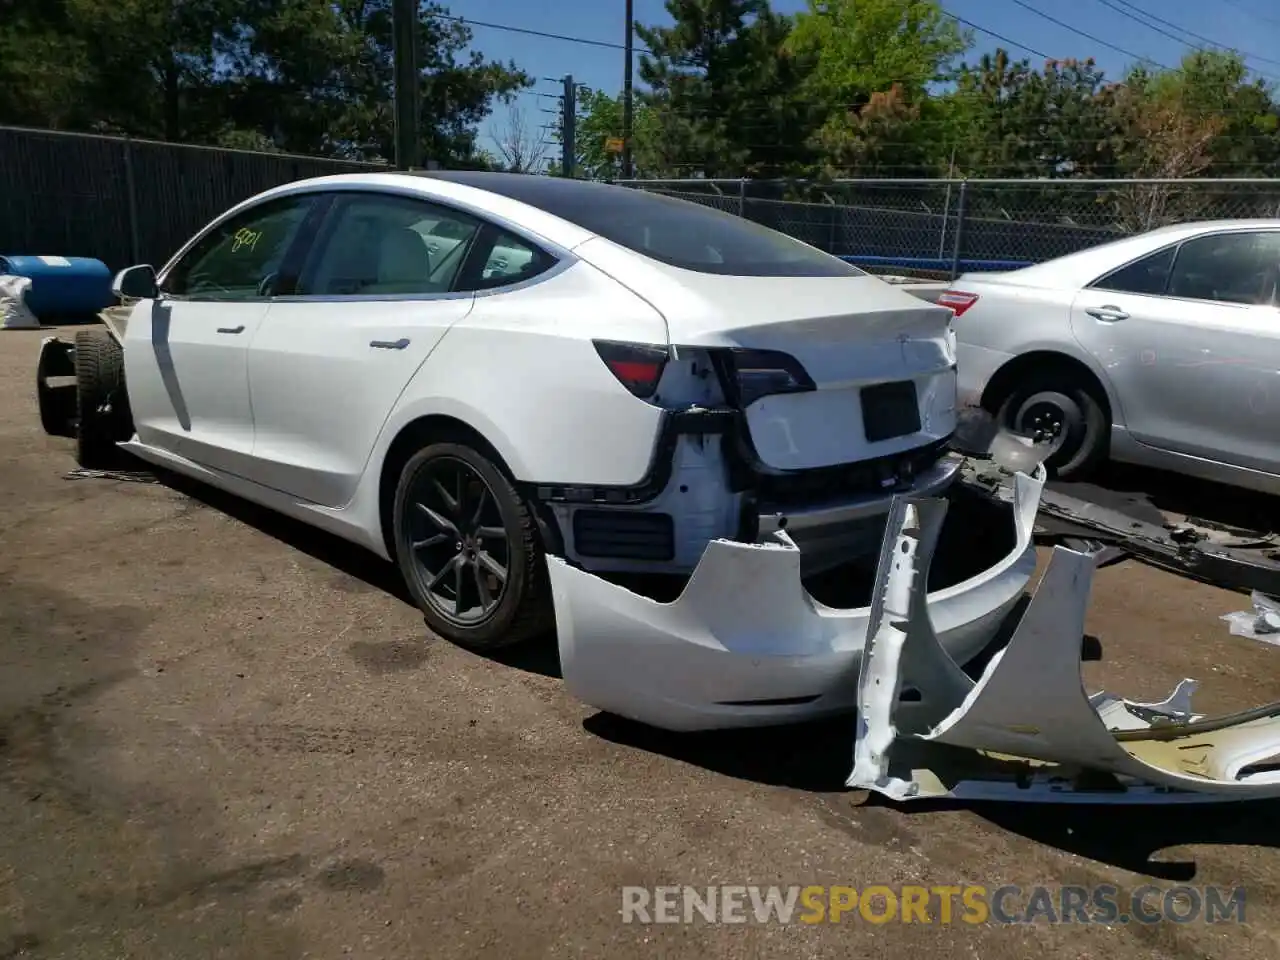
column 136, row 283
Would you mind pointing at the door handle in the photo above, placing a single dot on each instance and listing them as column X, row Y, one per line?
column 239, row 329
column 390, row 344
column 1107, row 314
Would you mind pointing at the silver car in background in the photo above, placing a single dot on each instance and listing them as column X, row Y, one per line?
column 1161, row 349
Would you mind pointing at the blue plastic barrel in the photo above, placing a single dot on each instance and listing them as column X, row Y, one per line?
column 62, row 286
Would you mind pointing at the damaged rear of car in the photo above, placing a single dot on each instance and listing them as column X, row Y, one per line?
column 800, row 397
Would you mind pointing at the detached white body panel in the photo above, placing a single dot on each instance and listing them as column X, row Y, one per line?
column 745, row 644
column 1026, row 729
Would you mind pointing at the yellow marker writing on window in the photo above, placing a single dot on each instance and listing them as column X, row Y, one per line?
column 245, row 239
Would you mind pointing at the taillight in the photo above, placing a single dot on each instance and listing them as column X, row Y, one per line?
column 762, row 373
column 638, row 366
column 957, row 300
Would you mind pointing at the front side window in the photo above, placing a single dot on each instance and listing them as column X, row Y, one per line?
column 380, row 244
column 240, row 259
column 1148, row 276
column 1228, row 268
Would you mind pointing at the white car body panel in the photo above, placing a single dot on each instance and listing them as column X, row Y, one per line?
column 1026, row 730
column 545, row 421
column 187, row 366
column 1192, row 384
column 301, row 407
column 847, row 332
column 745, row 636
column 324, row 377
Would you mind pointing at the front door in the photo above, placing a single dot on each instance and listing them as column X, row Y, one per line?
column 186, row 353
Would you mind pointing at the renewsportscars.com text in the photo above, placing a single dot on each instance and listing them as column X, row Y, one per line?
column 964, row 904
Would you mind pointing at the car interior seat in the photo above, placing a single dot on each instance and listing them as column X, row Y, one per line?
column 404, row 263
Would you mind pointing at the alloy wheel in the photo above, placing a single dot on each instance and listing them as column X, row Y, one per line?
column 459, row 543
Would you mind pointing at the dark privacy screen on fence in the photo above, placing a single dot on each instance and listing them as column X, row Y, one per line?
column 127, row 201
column 131, row 201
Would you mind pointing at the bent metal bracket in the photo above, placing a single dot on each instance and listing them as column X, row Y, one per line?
column 1026, row 730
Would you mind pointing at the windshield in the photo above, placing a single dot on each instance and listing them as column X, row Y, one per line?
column 676, row 232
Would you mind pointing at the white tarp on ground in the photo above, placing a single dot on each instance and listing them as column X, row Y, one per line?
column 14, row 313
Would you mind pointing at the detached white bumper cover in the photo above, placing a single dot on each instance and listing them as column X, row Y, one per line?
column 745, row 644
column 1027, row 729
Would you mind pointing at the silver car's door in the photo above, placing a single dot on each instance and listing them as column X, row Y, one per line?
column 1190, row 339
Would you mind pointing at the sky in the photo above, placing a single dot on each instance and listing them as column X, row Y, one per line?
column 1118, row 36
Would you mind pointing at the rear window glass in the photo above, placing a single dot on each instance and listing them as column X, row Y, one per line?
column 689, row 235
column 676, row 232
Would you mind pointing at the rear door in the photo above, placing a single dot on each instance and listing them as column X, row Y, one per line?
column 186, row 355
column 1190, row 339
column 331, row 361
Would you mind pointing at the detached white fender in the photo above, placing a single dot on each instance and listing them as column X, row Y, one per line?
column 1029, row 708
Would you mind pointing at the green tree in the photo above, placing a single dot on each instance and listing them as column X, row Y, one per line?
column 308, row 76
column 599, row 121
column 724, row 92
column 43, row 66
column 870, row 64
column 319, row 75
column 1009, row 120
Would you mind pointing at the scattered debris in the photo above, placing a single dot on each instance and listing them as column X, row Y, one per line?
column 1260, row 623
column 130, row 476
column 1244, row 561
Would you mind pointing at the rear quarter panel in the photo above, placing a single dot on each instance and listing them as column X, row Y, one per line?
column 522, row 371
column 1014, row 320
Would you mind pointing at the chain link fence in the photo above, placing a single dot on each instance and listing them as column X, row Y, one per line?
column 939, row 228
column 128, row 201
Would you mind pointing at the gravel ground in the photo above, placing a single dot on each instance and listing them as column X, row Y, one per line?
column 222, row 735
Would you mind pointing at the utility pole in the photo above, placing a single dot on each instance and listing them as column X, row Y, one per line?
column 627, row 93
column 568, row 128
column 404, row 41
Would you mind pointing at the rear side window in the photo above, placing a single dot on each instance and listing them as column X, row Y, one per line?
column 510, row 261
column 1149, row 276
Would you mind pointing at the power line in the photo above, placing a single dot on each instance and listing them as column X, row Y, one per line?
column 508, row 28
column 991, row 33
column 1089, row 36
column 1243, row 9
column 1189, row 33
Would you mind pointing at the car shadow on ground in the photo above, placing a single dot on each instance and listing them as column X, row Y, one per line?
column 539, row 655
column 817, row 758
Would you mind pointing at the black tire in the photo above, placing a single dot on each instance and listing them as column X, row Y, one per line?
column 102, row 406
column 523, row 609
column 1048, row 398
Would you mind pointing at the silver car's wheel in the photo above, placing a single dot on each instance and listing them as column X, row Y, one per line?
column 1060, row 410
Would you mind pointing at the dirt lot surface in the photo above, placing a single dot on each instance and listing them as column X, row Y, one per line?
column 222, row 735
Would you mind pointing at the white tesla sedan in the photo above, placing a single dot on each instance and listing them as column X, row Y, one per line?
column 1160, row 349
column 470, row 372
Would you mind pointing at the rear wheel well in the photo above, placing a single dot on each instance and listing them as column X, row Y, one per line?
column 412, row 437
column 439, row 428
column 1042, row 362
